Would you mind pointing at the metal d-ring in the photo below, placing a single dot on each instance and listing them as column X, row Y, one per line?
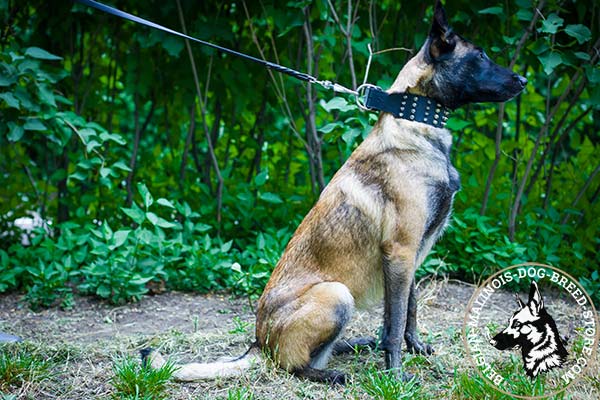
column 362, row 91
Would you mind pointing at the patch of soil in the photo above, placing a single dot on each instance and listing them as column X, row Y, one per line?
column 92, row 320
column 205, row 327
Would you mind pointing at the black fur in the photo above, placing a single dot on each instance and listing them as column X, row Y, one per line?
column 461, row 78
column 321, row 375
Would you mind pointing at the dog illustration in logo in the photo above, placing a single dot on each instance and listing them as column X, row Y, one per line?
column 535, row 332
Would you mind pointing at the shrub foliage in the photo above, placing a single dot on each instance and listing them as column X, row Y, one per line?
column 150, row 170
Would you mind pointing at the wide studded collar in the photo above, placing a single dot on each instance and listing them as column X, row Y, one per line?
column 408, row 106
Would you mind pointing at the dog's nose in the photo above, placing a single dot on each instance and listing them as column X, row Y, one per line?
column 493, row 342
column 522, row 80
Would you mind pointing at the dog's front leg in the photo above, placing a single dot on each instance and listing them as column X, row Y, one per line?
column 398, row 268
column 413, row 344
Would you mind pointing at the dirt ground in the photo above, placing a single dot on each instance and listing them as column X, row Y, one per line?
column 91, row 336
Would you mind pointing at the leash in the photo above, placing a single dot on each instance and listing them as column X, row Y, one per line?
column 401, row 105
column 336, row 87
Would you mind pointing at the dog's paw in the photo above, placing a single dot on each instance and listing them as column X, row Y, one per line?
column 402, row 375
column 407, row 377
column 145, row 355
column 338, row 378
column 416, row 346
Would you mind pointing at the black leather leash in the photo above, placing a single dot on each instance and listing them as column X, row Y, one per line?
column 401, row 105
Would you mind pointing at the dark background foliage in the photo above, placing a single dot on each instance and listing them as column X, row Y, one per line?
column 154, row 169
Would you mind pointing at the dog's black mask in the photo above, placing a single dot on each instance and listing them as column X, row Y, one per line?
column 462, row 72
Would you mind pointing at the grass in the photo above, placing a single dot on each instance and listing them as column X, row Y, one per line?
column 19, row 365
column 75, row 355
column 469, row 385
column 385, row 385
column 239, row 394
column 134, row 381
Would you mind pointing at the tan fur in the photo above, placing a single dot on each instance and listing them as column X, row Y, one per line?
column 374, row 223
column 375, row 206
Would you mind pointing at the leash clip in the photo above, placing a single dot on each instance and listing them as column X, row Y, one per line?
column 362, row 98
column 336, row 87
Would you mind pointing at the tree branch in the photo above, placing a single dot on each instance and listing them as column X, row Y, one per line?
column 201, row 102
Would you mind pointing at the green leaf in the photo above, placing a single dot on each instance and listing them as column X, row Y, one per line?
column 497, row 10
column 34, row 124
column 10, row 100
column 163, row 223
column 6, row 80
column 350, row 135
column 105, row 136
column 122, row 166
column 200, row 227
column 78, row 175
column 457, row 124
column 85, row 134
column 104, row 172
column 582, row 56
column 261, row 178
column 135, row 213
column 580, row 32
column 15, row 132
column 153, row 218
column 225, row 247
column 103, row 291
column 593, row 73
column 236, row 267
column 338, row 103
column 329, row 127
column 158, row 221
column 41, row 54
column 524, row 15
column 172, row 45
column 270, row 198
column 551, row 24
column 148, row 199
column 550, row 61
column 120, row 237
column 46, row 95
column 140, row 281
column 165, row 202
column 91, row 146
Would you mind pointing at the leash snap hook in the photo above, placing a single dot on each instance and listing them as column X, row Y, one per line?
column 363, row 95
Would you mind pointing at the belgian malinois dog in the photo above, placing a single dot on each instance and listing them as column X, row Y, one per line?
column 374, row 223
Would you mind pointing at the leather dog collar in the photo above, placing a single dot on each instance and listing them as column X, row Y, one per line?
column 407, row 106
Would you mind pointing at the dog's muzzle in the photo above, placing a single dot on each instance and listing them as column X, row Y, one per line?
column 522, row 80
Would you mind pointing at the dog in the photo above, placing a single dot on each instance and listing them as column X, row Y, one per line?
column 373, row 224
column 533, row 330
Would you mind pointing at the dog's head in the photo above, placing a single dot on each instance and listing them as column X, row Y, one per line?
column 461, row 72
column 524, row 326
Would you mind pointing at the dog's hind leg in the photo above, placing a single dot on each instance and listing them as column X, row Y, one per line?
column 413, row 344
column 305, row 337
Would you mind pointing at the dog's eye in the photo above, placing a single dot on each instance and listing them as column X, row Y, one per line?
column 482, row 55
column 516, row 325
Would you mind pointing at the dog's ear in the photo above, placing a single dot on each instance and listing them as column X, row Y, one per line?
column 536, row 303
column 519, row 301
column 441, row 38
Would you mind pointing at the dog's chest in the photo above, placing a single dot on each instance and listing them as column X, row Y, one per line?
column 440, row 196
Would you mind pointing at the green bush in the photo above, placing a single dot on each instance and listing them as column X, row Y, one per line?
column 94, row 126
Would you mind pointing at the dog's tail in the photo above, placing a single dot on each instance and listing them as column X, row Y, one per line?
column 200, row 371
